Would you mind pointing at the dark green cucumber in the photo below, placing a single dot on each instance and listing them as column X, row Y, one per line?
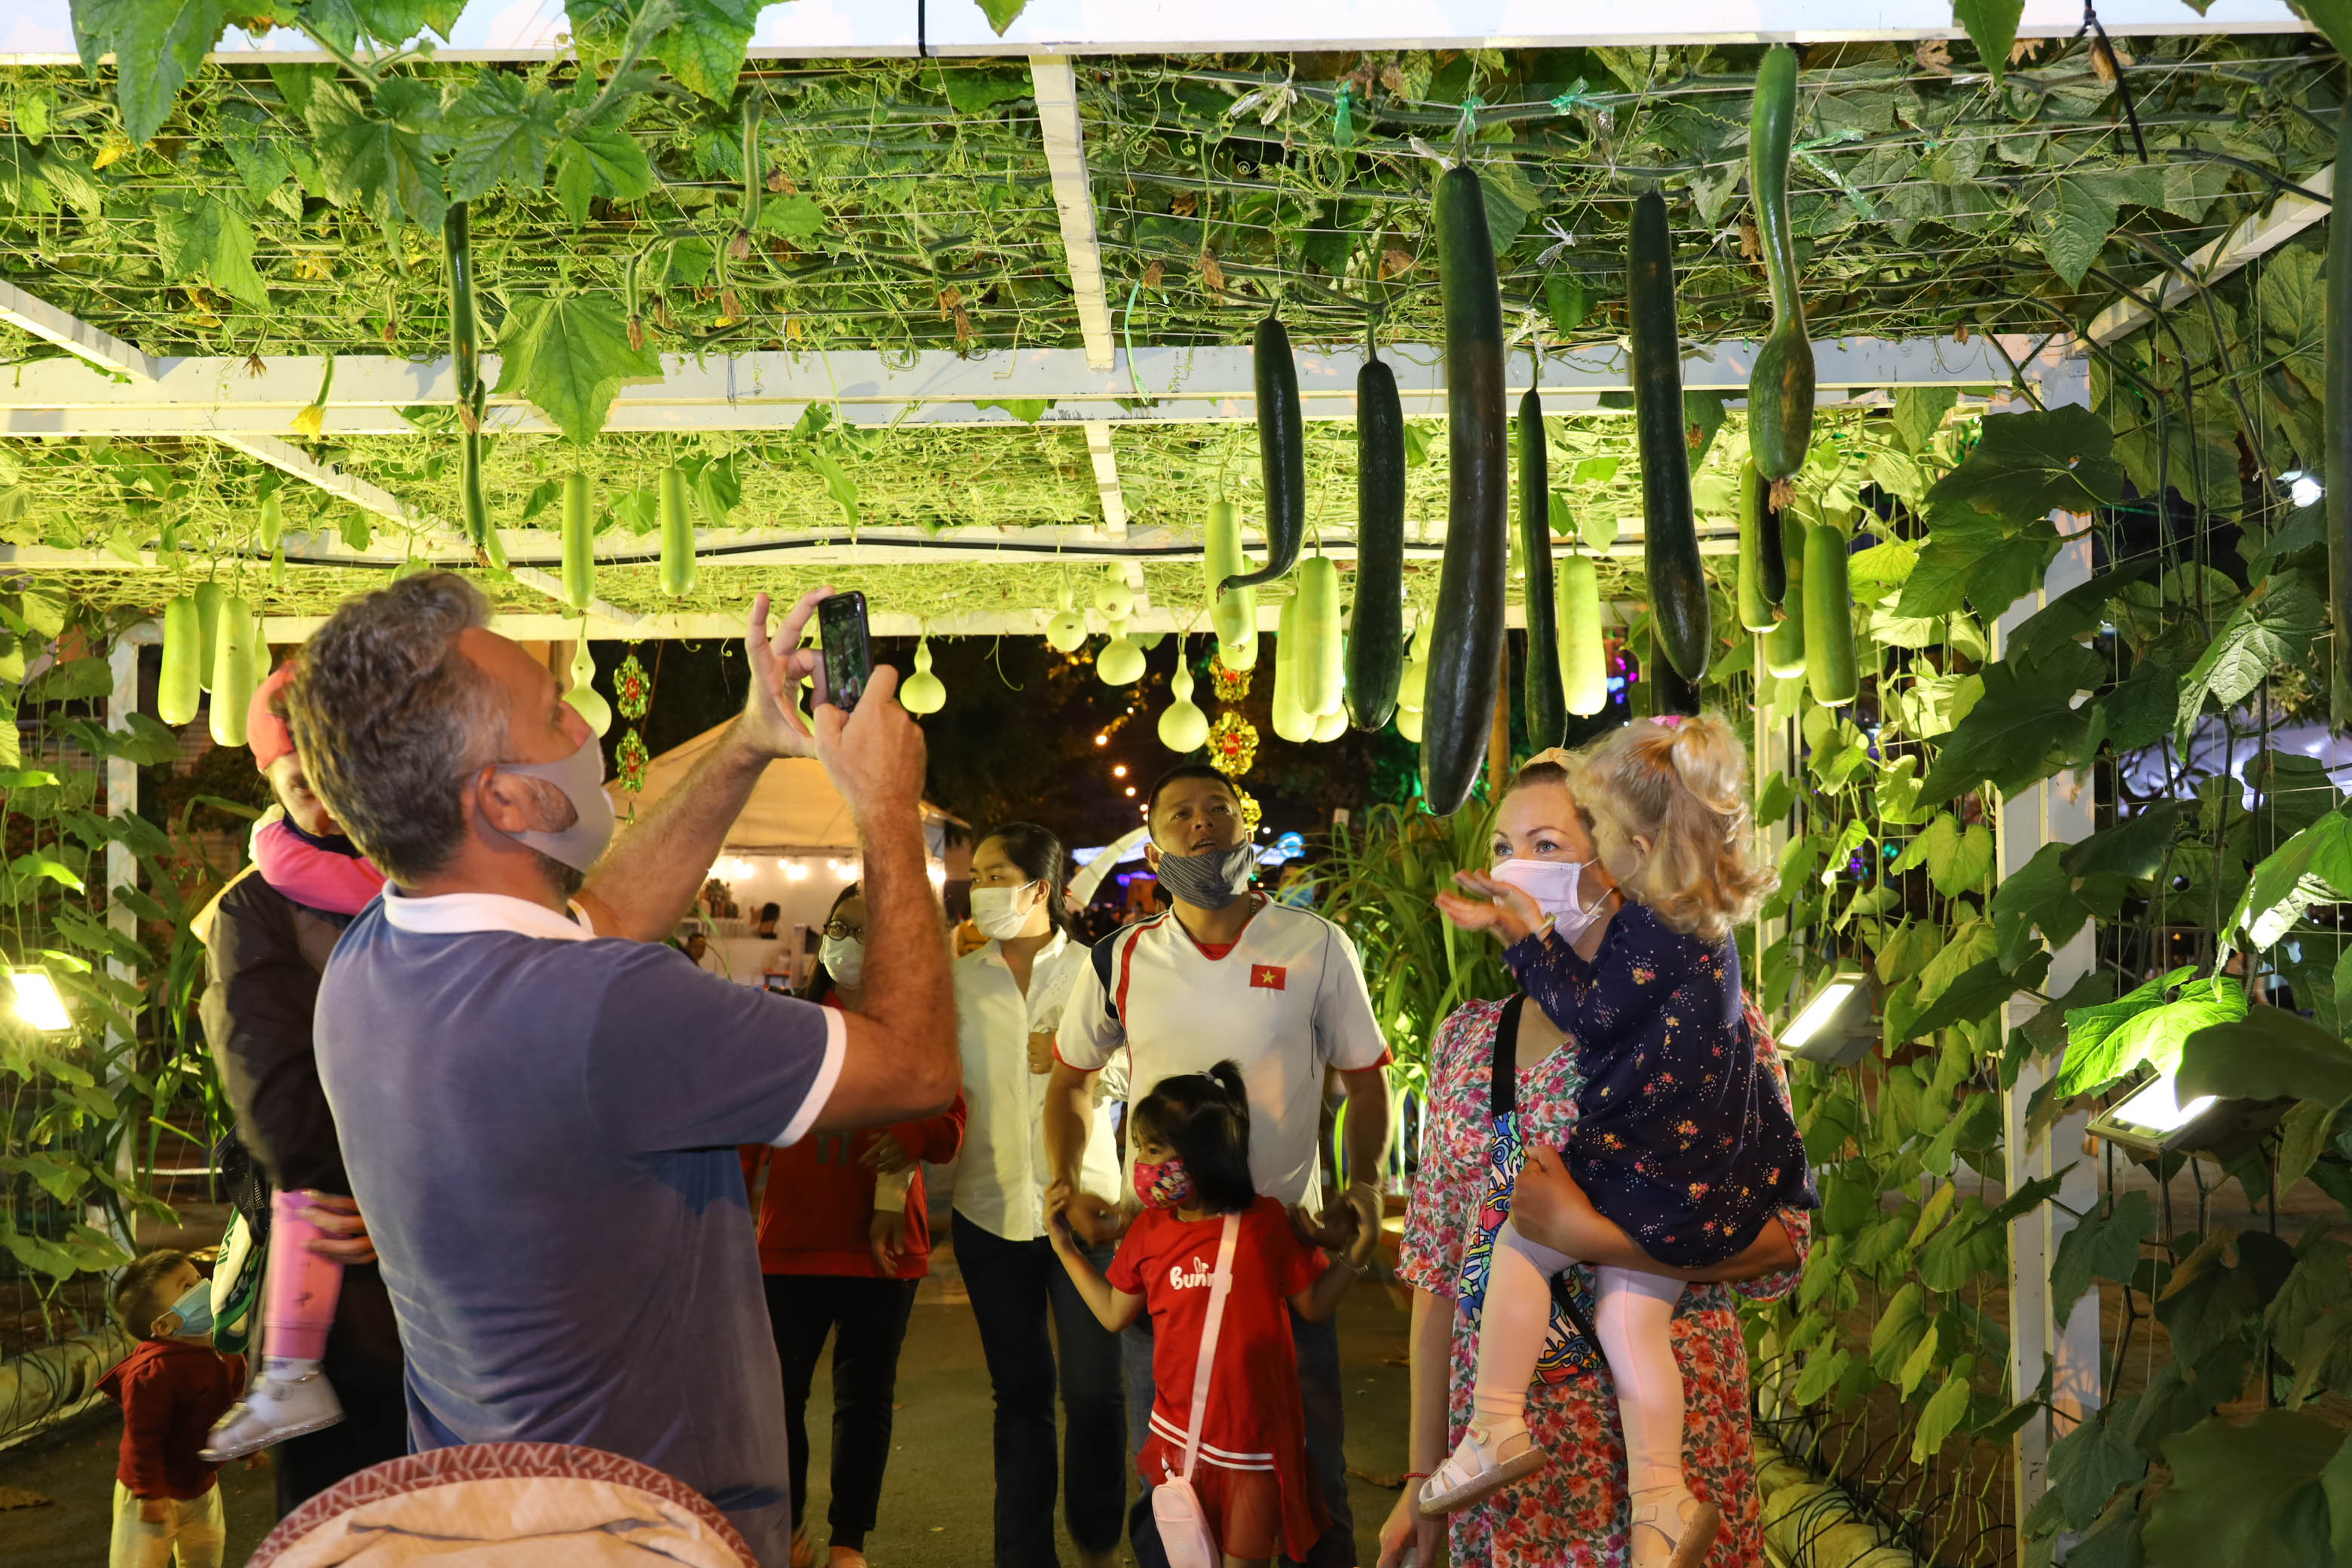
column 1754, row 605
column 1376, row 624
column 1669, row 692
column 1829, row 617
column 1784, row 645
column 1465, row 647
column 2337, row 472
column 465, row 351
column 1547, row 701
column 1281, row 456
column 1669, row 533
column 1773, row 559
column 1780, row 383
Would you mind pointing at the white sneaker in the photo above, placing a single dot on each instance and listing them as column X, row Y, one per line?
column 273, row 1409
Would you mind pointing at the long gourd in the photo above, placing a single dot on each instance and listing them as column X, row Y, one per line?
column 1547, row 702
column 1321, row 675
column 676, row 535
column 1754, row 605
column 473, row 397
column 1292, row 721
column 1466, row 645
column 1678, row 604
column 1281, row 455
column 1780, row 383
column 1583, row 658
column 1232, row 612
column 210, row 596
column 1376, row 624
column 1829, row 617
column 233, row 677
column 179, row 691
column 2338, row 467
column 1784, row 645
column 579, row 542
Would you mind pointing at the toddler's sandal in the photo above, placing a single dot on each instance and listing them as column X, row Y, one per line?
column 1475, row 1472
column 1686, row 1525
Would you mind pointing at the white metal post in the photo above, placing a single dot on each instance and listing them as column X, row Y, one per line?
column 2057, row 811
column 122, row 871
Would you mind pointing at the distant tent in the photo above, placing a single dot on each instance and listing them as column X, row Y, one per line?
column 793, row 809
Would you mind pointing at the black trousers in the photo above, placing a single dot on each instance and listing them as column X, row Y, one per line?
column 364, row 1364
column 1014, row 1285
column 867, row 1320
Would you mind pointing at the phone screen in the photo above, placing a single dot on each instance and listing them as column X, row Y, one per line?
column 848, row 654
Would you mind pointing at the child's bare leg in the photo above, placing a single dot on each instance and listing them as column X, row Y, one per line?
column 1511, row 1328
column 1633, row 1313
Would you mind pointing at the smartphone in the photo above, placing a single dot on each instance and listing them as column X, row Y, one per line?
column 849, row 652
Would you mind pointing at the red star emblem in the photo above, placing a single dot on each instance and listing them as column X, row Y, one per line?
column 1268, row 977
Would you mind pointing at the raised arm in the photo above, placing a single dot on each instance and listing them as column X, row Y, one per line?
column 647, row 880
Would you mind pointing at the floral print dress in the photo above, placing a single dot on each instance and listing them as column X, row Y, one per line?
column 1574, row 1510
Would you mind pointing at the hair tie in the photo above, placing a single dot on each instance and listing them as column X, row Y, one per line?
column 1668, row 720
column 1558, row 756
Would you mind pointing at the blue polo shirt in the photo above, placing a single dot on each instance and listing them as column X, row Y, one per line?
column 540, row 1127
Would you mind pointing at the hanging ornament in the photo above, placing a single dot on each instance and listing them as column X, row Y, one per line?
column 1067, row 630
column 1182, row 726
column 923, row 691
column 633, row 690
column 1231, row 685
column 1233, row 744
column 1252, row 813
column 629, row 759
column 1121, row 663
column 584, row 698
column 1113, row 597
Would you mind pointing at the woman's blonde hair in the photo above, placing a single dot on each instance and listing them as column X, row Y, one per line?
column 1682, row 786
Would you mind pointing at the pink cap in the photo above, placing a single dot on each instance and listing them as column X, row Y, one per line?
column 265, row 729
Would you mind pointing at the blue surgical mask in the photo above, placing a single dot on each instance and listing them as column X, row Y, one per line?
column 194, row 1310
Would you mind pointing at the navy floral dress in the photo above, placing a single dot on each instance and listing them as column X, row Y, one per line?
column 1681, row 1138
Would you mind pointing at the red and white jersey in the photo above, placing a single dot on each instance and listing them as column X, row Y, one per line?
column 1286, row 1001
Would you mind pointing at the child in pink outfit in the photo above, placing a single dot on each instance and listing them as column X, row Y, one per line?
column 302, row 855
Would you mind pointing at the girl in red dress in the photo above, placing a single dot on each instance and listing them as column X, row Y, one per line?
column 1190, row 1141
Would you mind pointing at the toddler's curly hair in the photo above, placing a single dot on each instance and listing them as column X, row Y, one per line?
column 1669, row 809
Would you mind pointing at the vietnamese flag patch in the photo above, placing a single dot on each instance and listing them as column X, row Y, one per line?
column 1268, row 977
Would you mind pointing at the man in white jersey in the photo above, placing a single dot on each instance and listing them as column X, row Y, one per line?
column 1228, row 975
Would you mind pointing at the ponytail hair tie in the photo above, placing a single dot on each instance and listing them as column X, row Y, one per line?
column 1669, row 719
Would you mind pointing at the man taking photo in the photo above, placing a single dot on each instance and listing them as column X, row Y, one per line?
column 539, row 1102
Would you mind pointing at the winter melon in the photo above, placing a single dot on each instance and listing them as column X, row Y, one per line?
column 1583, row 657
column 180, row 692
column 1292, row 721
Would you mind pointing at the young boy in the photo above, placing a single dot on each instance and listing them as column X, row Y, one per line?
column 171, row 1389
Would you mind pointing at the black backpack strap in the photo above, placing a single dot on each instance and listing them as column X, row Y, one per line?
column 1503, row 1086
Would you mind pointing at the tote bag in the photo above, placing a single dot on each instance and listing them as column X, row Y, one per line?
column 1184, row 1533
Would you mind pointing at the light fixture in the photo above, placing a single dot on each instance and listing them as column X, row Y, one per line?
column 37, row 1002
column 2150, row 1121
column 1119, row 772
column 936, row 870
column 795, row 871
column 1825, row 1029
column 2303, row 489
column 1130, row 792
column 1102, row 740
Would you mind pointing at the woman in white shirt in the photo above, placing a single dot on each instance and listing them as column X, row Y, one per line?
column 1009, row 996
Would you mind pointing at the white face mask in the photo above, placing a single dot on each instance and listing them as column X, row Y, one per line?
column 998, row 912
column 843, row 958
column 1553, row 884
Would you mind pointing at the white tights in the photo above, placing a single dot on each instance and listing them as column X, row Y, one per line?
column 1631, row 1310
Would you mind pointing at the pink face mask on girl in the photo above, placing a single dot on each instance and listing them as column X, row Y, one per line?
column 1162, row 1185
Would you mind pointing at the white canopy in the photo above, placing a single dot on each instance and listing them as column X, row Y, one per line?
column 794, row 807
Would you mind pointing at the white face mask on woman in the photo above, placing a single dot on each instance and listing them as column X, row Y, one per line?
column 843, row 958
column 998, row 912
column 1553, row 885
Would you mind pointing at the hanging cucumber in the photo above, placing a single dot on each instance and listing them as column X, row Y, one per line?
column 270, row 525
column 1376, row 627
column 1292, row 721
column 1669, row 692
column 1547, row 702
column 676, row 535
column 1583, row 658
column 1669, row 533
column 1755, row 604
column 579, row 542
column 180, row 691
column 473, row 397
column 1412, row 686
column 1321, row 672
column 233, row 677
column 1466, row 642
column 1829, row 617
column 1232, row 611
column 1281, row 455
column 2337, row 469
column 1784, row 645
column 1780, row 383
column 210, row 595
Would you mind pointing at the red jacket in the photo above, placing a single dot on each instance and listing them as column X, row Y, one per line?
column 171, row 1394
column 815, row 1215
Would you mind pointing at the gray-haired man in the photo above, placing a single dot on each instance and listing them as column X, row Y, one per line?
column 538, row 1102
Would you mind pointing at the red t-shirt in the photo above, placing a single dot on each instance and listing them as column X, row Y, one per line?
column 171, row 1394
column 815, row 1216
column 1254, row 1421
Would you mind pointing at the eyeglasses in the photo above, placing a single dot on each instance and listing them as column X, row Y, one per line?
column 842, row 931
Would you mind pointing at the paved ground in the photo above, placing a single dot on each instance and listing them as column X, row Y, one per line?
column 935, row 1513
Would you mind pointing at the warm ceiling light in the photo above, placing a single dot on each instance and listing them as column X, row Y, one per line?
column 37, row 1002
column 1119, row 772
column 1102, row 740
column 1130, row 792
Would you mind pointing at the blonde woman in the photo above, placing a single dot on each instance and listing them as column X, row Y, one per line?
column 1684, row 1151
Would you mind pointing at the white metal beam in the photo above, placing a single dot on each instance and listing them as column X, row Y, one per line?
column 1056, row 85
column 2257, row 235
column 73, row 334
column 216, row 396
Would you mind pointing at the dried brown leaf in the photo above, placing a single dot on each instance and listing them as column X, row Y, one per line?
column 1185, row 203
column 2023, row 50
column 951, row 302
column 1153, row 274
column 1212, row 276
column 1395, row 262
column 1392, row 79
column 1751, row 239
column 1934, row 56
column 963, row 326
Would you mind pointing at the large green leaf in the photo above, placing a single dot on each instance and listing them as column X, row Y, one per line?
column 1976, row 991
column 2134, row 848
column 1992, row 26
column 2272, row 624
column 380, row 159
column 2023, row 729
column 1002, row 14
column 392, row 22
column 2027, row 465
column 156, row 44
column 703, row 45
column 1942, row 1415
column 2075, row 614
column 502, row 129
column 2104, row 1042
column 2105, row 1247
column 2088, row 1465
column 2079, row 224
column 2315, row 867
column 205, row 237
column 569, row 356
column 2233, row 1485
column 2037, row 896
column 2269, row 1054
column 1898, row 1330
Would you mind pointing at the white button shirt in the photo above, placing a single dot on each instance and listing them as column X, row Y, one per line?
column 1002, row 1175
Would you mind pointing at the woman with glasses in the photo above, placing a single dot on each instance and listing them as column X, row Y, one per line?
column 1009, row 997
column 844, row 1241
